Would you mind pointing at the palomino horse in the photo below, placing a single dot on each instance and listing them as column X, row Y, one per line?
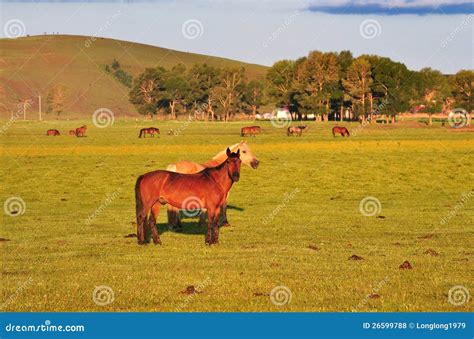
column 150, row 130
column 189, row 167
column 296, row 130
column 81, row 131
column 341, row 130
column 53, row 132
column 250, row 130
column 207, row 189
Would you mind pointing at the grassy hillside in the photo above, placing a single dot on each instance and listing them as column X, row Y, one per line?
column 33, row 65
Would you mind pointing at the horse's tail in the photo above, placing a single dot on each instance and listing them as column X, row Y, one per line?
column 141, row 214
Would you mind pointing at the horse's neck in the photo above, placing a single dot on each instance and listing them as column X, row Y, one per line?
column 221, row 177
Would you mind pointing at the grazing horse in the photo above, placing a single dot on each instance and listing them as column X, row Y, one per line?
column 53, row 132
column 81, row 131
column 295, row 130
column 341, row 130
column 250, row 130
column 150, row 130
column 188, row 167
column 206, row 190
column 72, row 132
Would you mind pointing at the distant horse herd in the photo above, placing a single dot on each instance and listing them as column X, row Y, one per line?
column 244, row 132
column 78, row 132
column 190, row 186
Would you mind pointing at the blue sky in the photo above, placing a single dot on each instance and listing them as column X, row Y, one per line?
column 437, row 34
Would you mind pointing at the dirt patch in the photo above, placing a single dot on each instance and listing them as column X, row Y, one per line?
column 260, row 294
column 190, row 290
column 431, row 252
column 428, row 236
column 4, row 239
column 355, row 257
column 374, row 296
column 131, row 235
column 380, row 216
column 313, row 247
column 405, row 266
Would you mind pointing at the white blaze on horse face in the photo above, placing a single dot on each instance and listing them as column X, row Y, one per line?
column 246, row 155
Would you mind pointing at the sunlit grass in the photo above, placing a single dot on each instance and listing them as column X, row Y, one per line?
column 306, row 192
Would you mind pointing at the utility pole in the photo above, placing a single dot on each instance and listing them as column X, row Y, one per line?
column 39, row 106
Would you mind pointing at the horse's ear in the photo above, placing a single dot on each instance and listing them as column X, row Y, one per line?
column 228, row 152
column 238, row 152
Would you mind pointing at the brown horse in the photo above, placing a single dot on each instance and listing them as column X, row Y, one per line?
column 189, row 167
column 53, row 132
column 340, row 130
column 72, row 132
column 150, row 130
column 296, row 130
column 204, row 190
column 81, row 131
column 250, row 130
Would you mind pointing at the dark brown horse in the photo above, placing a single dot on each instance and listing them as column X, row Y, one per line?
column 53, row 132
column 340, row 130
column 205, row 190
column 250, row 130
column 81, row 131
column 296, row 130
column 150, row 130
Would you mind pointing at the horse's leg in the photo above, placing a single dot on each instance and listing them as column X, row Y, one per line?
column 225, row 222
column 152, row 223
column 173, row 218
column 215, row 225
column 210, row 219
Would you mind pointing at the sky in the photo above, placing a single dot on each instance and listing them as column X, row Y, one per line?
column 436, row 33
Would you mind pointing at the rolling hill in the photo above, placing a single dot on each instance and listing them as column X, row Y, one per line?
column 33, row 65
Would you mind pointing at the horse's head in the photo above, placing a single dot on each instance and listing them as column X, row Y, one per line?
column 233, row 164
column 247, row 156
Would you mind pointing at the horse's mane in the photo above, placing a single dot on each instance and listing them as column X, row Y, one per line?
column 232, row 148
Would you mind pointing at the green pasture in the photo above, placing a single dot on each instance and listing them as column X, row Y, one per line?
column 296, row 220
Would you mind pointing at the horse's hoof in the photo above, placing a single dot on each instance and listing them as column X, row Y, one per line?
column 226, row 224
column 142, row 243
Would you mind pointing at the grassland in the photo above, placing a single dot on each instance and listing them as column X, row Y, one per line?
column 79, row 200
column 33, row 65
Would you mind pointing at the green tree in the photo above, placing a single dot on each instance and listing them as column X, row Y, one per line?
column 357, row 84
column 56, row 100
column 176, row 88
column 253, row 95
column 280, row 80
column 462, row 86
column 202, row 79
column 146, row 93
